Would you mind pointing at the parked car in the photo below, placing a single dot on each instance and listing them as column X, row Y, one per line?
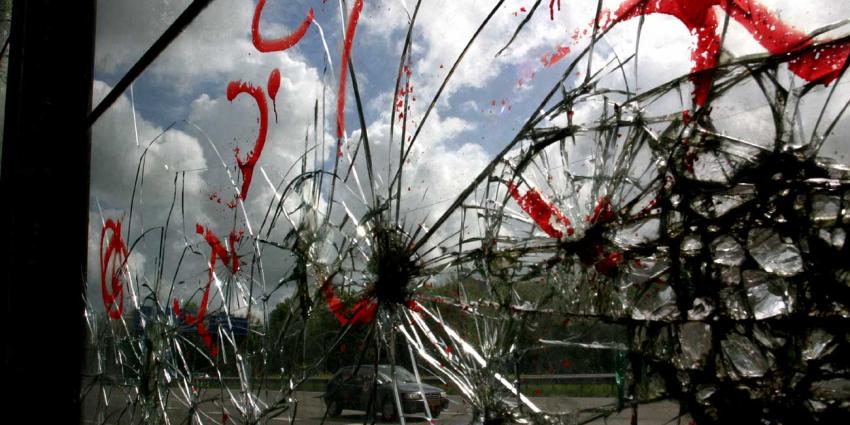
column 351, row 388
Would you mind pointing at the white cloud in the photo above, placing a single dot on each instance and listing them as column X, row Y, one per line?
column 447, row 155
column 217, row 45
column 116, row 157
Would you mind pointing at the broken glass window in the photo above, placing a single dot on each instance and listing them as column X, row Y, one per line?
column 515, row 212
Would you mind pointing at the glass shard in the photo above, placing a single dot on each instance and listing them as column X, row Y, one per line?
column 774, row 255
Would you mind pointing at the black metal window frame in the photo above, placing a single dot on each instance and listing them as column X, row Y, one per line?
column 44, row 181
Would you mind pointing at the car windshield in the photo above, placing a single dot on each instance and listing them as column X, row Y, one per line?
column 402, row 375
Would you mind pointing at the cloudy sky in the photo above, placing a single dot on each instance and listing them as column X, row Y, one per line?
column 173, row 137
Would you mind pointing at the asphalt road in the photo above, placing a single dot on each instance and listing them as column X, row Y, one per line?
column 216, row 407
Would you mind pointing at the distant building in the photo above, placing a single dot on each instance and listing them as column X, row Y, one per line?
column 214, row 322
column 237, row 325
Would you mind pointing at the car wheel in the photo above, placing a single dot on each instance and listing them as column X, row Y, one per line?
column 388, row 411
column 334, row 409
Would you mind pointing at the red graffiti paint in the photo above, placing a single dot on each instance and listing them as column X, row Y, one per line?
column 273, row 86
column 277, row 44
column 234, row 88
column 115, row 252
column 229, row 258
column 414, row 306
column 362, row 313
column 552, row 9
column 542, row 211
column 343, row 72
column 218, row 252
column 550, row 59
column 206, row 337
column 821, row 65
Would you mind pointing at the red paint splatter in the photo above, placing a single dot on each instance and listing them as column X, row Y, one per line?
column 215, row 197
column 537, row 391
column 277, row 44
column 604, row 262
column 821, row 65
column 550, row 59
column 273, row 86
column 234, row 88
column 609, row 263
column 343, row 348
column 552, row 9
column 116, row 251
column 402, row 93
column 343, row 73
column 542, row 211
column 224, row 417
column 567, row 364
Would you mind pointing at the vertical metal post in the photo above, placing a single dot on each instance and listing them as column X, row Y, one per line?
column 44, row 189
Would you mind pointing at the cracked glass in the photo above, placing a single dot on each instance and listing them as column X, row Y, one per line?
column 488, row 212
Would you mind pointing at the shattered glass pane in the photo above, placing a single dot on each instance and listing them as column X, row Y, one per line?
column 818, row 344
column 492, row 212
column 768, row 296
column 773, row 255
column 695, row 340
column 727, row 251
column 743, row 357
